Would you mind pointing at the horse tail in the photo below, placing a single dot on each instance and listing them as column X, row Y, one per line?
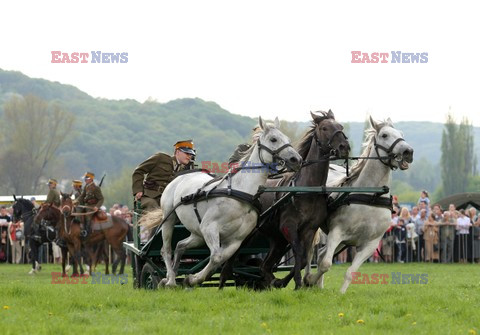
column 316, row 238
column 152, row 219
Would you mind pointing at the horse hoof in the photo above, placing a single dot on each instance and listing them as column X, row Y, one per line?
column 277, row 283
column 307, row 280
column 162, row 283
column 32, row 272
column 188, row 281
column 67, row 268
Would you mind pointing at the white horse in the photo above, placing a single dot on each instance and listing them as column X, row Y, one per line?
column 222, row 222
column 360, row 224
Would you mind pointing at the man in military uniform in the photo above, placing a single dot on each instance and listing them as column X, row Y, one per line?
column 77, row 188
column 241, row 148
column 53, row 196
column 150, row 178
column 92, row 197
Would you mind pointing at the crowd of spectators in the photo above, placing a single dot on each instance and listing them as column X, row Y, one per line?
column 428, row 233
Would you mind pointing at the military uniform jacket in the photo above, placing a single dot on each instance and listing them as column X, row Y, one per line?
column 53, row 197
column 238, row 153
column 153, row 175
column 91, row 196
column 77, row 194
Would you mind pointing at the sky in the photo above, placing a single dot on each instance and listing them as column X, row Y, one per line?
column 269, row 58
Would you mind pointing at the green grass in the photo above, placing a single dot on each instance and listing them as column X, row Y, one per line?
column 448, row 304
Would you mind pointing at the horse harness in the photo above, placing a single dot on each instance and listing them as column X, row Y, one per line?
column 375, row 200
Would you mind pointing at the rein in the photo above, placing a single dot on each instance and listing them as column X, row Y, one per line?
column 275, row 153
column 83, row 214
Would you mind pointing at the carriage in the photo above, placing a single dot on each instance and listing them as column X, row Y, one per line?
column 148, row 267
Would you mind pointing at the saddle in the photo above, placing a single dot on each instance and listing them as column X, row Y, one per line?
column 100, row 217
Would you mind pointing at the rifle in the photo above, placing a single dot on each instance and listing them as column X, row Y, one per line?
column 101, row 180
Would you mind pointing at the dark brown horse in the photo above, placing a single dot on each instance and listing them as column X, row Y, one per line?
column 294, row 224
column 68, row 230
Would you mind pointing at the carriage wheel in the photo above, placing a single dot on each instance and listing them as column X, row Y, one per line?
column 149, row 278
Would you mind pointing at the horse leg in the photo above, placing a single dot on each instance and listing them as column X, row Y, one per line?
column 278, row 248
column 325, row 262
column 310, row 252
column 227, row 271
column 218, row 255
column 190, row 242
column 78, row 254
column 64, row 261
column 34, row 251
column 106, row 254
column 122, row 255
column 291, row 234
column 167, row 232
column 73, row 256
column 363, row 253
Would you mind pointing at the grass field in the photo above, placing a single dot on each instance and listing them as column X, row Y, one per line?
column 449, row 303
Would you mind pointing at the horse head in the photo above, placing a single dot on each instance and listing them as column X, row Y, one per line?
column 275, row 148
column 329, row 135
column 390, row 146
column 66, row 203
column 49, row 214
column 21, row 207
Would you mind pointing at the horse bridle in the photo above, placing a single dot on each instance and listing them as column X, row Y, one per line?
column 388, row 151
column 331, row 151
column 25, row 216
column 275, row 154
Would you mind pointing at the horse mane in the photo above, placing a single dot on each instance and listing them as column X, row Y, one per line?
column 367, row 146
column 26, row 202
column 303, row 147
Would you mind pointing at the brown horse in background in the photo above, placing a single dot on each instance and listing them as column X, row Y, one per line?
column 95, row 241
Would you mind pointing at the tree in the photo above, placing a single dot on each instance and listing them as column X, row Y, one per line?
column 33, row 131
column 457, row 162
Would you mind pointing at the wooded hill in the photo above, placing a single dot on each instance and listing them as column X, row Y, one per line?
column 115, row 135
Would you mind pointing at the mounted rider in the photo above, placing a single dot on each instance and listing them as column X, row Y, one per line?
column 92, row 198
column 77, row 188
column 53, row 196
column 150, row 178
